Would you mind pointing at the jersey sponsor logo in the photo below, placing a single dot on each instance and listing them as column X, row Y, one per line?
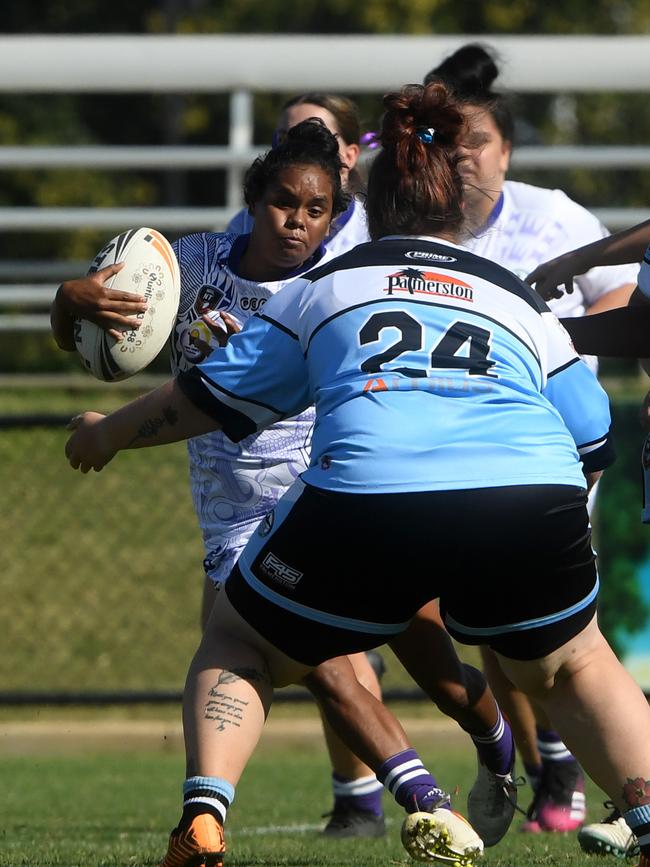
column 248, row 303
column 274, row 568
column 437, row 384
column 208, row 298
column 430, row 257
column 417, row 282
column 193, row 333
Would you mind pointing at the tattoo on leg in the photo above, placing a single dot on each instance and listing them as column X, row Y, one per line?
column 636, row 793
column 225, row 709
column 151, row 426
column 250, row 674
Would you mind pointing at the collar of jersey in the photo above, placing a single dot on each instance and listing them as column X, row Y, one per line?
column 432, row 239
column 494, row 214
column 341, row 221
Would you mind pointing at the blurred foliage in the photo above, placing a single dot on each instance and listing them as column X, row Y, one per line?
column 132, row 119
column 621, row 540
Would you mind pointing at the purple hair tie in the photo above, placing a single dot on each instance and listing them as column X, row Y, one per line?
column 370, row 140
column 425, row 134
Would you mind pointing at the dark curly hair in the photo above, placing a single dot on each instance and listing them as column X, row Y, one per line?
column 414, row 186
column 308, row 143
column 470, row 73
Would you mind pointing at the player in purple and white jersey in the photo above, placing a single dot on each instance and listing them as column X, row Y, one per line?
column 357, row 810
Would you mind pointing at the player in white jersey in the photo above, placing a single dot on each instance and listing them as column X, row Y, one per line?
column 341, row 117
column 519, row 226
column 356, row 809
column 450, row 406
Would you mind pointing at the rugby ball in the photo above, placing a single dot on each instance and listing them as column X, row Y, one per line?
column 150, row 269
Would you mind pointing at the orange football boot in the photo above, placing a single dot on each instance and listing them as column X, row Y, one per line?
column 201, row 844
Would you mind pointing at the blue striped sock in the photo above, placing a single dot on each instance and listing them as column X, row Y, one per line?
column 206, row 795
column 638, row 818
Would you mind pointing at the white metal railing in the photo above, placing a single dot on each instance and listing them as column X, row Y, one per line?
column 197, row 219
column 191, row 157
column 241, row 65
column 91, row 63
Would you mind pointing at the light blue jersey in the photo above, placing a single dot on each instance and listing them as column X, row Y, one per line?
column 430, row 369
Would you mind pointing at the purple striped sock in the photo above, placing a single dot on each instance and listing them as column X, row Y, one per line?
column 411, row 784
column 496, row 747
column 533, row 775
column 363, row 793
column 551, row 747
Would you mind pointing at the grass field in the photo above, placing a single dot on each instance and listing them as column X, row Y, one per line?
column 94, row 809
column 128, row 618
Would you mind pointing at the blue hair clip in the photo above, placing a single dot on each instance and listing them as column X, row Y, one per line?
column 425, row 134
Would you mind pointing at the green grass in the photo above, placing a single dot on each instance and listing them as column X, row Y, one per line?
column 117, row 809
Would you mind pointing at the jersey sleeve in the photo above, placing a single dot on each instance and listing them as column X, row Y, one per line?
column 259, row 378
column 574, row 391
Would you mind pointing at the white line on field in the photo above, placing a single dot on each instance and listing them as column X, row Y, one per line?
column 278, row 829
column 304, row 828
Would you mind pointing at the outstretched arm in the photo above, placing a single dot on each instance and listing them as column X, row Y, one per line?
column 626, row 246
column 162, row 416
column 620, row 333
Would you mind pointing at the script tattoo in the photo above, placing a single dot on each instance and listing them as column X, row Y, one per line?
column 149, row 428
column 226, row 709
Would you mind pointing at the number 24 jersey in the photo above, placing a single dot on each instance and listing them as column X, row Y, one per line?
column 430, row 368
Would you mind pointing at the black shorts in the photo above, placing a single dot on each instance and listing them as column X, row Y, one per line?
column 327, row 574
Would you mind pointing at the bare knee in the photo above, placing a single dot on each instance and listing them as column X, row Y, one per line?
column 334, row 679
column 452, row 696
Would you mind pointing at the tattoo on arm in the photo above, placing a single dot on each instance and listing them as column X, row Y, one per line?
column 151, row 426
column 224, row 708
column 636, row 792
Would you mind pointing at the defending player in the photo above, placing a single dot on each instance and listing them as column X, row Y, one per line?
column 221, row 273
column 518, row 225
column 406, row 345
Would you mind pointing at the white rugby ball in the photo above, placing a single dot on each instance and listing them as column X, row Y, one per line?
column 150, row 269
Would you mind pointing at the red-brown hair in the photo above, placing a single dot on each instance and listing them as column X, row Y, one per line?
column 414, row 187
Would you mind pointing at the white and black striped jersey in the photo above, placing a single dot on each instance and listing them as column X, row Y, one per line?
column 430, row 368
